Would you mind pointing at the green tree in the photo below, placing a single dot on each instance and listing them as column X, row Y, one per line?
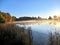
column 39, row 17
column 13, row 18
column 2, row 20
column 50, row 18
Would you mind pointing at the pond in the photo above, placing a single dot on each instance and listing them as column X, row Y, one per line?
column 40, row 31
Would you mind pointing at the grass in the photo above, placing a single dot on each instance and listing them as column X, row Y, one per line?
column 54, row 38
column 10, row 34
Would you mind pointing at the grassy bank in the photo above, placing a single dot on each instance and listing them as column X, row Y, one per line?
column 10, row 34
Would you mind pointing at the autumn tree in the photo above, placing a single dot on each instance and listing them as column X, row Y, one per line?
column 5, row 16
column 8, row 17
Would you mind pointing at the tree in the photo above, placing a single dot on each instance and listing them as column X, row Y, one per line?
column 2, row 20
column 13, row 18
column 55, row 17
column 50, row 18
column 39, row 17
column 8, row 17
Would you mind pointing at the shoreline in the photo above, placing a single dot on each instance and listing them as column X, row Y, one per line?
column 34, row 21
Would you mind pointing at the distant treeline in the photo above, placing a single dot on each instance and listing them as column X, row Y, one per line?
column 30, row 18
column 6, row 17
column 38, row 18
column 27, row 18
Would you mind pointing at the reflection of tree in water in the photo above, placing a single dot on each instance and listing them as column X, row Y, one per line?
column 55, row 24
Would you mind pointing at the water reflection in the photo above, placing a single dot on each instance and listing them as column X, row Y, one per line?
column 42, row 30
column 57, row 24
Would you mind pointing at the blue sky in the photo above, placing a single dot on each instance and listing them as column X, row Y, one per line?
column 18, row 8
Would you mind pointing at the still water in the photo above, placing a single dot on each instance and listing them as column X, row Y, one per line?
column 40, row 31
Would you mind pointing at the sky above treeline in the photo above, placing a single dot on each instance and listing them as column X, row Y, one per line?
column 43, row 8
